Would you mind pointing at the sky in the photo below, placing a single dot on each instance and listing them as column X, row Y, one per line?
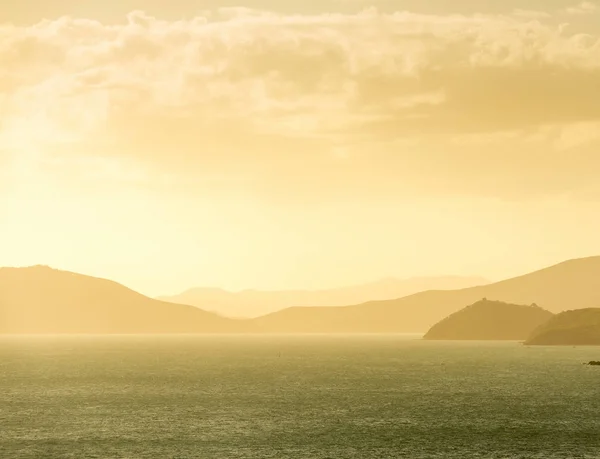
column 313, row 144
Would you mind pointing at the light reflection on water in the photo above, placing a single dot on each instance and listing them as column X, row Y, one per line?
column 296, row 397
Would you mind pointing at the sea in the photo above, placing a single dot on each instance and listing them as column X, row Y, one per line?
column 323, row 397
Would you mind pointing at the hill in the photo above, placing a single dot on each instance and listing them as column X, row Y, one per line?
column 575, row 327
column 253, row 303
column 556, row 289
column 490, row 320
column 43, row 300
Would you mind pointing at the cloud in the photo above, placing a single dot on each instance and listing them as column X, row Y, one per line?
column 582, row 8
column 255, row 97
column 578, row 134
column 531, row 14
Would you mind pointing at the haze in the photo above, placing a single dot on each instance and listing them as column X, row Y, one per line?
column 309, row 145
column 299, row 229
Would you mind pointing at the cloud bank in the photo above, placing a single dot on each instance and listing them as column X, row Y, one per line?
column 506, row 105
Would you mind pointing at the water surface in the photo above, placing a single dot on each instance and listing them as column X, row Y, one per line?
column 295, row 397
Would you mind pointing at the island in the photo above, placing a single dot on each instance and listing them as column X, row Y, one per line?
column 490, row 320
column 579, row 327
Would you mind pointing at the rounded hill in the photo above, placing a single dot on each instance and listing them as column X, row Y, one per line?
column 578, row 327
column 490, row 320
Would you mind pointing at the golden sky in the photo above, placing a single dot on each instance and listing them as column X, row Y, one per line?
column 176, row 144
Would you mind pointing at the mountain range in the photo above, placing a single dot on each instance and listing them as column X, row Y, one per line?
column 43, row 300
column 255, row 303
column 573, row 284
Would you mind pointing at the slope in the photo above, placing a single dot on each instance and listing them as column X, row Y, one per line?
column 44, row 300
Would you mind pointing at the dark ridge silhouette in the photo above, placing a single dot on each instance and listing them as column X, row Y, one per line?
column 576, row 327
column 555, row 289
column 254, row 303
column 41, row 300
column 490, row 320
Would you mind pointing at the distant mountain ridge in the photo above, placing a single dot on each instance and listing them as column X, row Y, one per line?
column 44, row 300
column 254, row 303
column 574, row 283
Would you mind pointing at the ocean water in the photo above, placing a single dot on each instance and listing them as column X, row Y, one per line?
column 295, row 397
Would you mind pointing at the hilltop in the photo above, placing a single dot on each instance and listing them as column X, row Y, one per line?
column 490, row 320
column 556, row 289
column 40, row 299
column 575, row 327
